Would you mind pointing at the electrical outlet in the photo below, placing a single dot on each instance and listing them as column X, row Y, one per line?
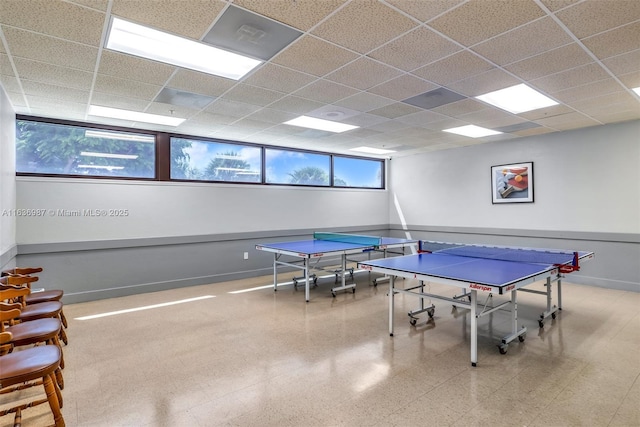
column 246, row 255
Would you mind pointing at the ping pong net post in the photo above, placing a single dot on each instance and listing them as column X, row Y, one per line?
column 356, row 239
column 569, row 268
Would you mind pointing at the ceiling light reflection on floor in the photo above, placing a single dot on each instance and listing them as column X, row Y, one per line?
column 377, row 373
column 146, row 307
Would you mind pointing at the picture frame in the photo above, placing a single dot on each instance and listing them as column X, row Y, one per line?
column 512, row 183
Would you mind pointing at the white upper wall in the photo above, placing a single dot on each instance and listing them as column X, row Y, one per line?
column 162, row 209
column 584, row 180
column 7, row 173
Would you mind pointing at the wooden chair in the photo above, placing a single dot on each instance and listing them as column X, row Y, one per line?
column 41, row 296
column 35, row 332
column 29, row 368
column 14, row 296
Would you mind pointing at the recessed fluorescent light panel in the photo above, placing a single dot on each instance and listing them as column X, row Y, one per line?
column 118, row 136
column 517, row 99
column 320, row 124
column 372, row 150
column 139, row 40
column 636, row 90
column 472, row 131
column 109, row 168
column 133, row 116
column 109, row 155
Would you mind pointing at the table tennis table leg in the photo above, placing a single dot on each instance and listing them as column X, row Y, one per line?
column 275, row 272
column 391, row 303
column 306, row 279
column 344, row 269
column 514, row 311
column 559, row 292
column 474, row 328
column 383, row 278
column 515, row 333
column 551, row 310
column 344, row 285
column 549, row 294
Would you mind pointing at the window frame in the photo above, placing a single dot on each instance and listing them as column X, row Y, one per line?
column 162, row 169
column 97, row 127
column 383, row 172
column 296, row 150
column 218, row 141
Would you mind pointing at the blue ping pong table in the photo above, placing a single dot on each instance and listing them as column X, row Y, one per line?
column 486, row 269
column 325, row 245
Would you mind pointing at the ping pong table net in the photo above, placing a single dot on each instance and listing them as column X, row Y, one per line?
column 356, row 239
column 566, row 262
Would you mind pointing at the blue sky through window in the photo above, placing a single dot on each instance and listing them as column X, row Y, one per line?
column 357, row 172
column 281, row 164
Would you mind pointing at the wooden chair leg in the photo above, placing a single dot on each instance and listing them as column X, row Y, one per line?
column 54, row 403
column 59, row 378
column 63, row 319
column 63, row 336
column 17, row 420
column 58, row 389
column 56, row 341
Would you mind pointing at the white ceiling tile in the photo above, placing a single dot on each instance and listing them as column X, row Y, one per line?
column 373, row 22
column 183, row 18
column 363, row 74
column 477, row 20
column 364, row 56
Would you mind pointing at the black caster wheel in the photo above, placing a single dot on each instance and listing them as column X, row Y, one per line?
column 353, row 291
column 333, row 294
column 503, row 349
column 430, row 313
column 541, row 323
column 413, row 322
column 521, row 338
column 553, row 315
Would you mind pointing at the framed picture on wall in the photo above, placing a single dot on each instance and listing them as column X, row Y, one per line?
column 512, row 183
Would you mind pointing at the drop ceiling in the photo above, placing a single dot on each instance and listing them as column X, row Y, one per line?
column 401, row 70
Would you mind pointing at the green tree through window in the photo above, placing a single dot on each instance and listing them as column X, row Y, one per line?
column 230, row 166
column 71, row 150
column 309, row 175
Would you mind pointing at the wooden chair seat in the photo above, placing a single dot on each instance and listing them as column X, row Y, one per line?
column 43, row 310
column 39, row 331
column 33, row 366
column 44, row 296
column 28, row 364
column 15, row 296
column 25, row 275
column 35, row 331
column 24, row 271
